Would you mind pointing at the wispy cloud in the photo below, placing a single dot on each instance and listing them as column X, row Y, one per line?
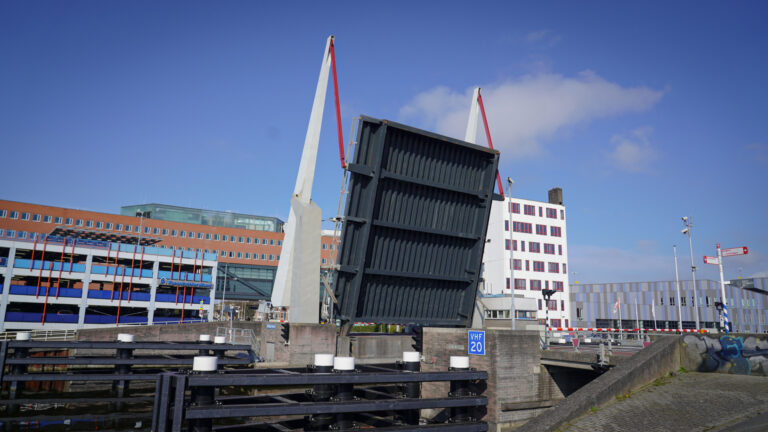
column 542, row 38
column 757, row 152
column 524, row 111
column 633, row 151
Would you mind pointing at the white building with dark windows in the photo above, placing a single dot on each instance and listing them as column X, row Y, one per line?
column 527, row 251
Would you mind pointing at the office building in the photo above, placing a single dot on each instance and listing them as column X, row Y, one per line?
column 247, row 246
column 526, row 252
column 656, row 304
column 50, row 282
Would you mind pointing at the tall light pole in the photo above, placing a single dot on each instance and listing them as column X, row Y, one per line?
column 679, row 299
column 511, row 267
column 140, row 215
column 687, row 231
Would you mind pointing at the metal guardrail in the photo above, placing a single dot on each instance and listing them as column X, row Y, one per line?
column 42, row 335
column 368, row 397
column 127, row 364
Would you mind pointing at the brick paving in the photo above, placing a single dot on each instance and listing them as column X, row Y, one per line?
column 684, row 402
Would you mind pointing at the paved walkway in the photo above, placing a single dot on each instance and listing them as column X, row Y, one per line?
column 685, row 402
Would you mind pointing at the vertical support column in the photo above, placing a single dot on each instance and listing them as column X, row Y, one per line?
column 345, row 391
column 321, row 393
column 203, row 396
column 411, row 363
column 212, row 293
column 153, row 292
column 86, row 283
column 14, row 390
column 205, row 339
column 459, row 388
column 121, row 386
column 7, row 285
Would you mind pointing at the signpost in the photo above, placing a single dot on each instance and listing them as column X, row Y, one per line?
column 476, row 345
column 719, row 262
column 734, row 251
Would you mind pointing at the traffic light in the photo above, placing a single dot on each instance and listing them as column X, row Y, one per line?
column 418, row 338
column 285, row 332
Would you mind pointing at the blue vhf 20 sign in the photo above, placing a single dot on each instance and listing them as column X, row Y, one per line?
column 476, row 342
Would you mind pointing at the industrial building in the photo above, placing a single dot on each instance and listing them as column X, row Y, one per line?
column 526, row 252
column 62, row 283
column 247, row 246
column 656, row 304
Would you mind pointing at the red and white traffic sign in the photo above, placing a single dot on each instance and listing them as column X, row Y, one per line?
column 711, row 260
column 734, row 251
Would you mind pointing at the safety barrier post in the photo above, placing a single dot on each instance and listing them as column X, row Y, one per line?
column 412, row 363
column 459, row 388
column 321, row 393
column 203, row 395
column 344, row 391
column 205, row 339
column 123, row 368
column 18, row 369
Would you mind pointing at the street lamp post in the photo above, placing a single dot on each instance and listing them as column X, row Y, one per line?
column 511, row 267
column 687, row 231
column 677, row 285
column 547, row 294
column 140, row 215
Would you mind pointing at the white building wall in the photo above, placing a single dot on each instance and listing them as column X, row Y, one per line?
column 498, row 273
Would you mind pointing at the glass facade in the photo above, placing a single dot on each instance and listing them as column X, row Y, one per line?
column 245, row 282
column 205, row 217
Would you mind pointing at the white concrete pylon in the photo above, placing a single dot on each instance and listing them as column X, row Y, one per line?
column 298, row 271
column 471, row 134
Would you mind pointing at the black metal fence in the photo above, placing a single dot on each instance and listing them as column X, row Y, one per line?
column 386, row 397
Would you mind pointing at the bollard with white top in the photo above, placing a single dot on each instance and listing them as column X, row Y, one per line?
column 121, row 386
column 203, row 395
column 205, row 339
column 321, row 393
column 345, row 391
column 459, row 388
column 219, row 340
column 411, row 363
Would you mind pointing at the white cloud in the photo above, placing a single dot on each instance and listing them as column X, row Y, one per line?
column 633, row 151
column 545, row 38
column 523, row 112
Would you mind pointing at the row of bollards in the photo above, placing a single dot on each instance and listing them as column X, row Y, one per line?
column 341, row 392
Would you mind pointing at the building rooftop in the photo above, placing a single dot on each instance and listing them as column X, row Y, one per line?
column 204, row 217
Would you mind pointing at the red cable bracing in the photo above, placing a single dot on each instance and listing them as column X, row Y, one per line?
column 72, row 257
column 47, row 291
column 61, row 267
column 194, row 276
column 488, row 135
column 173, row 258
column 114, row 273
column 177, row 287
column 42, row 264
column 338, row 105
column 130, row 281
column 120, row 297
column 32, row 261
column 182, row 303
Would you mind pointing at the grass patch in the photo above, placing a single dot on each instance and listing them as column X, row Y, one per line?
column 624, row 396
column 683, row 370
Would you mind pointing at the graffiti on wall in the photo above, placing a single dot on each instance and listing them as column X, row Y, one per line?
column 728, row 354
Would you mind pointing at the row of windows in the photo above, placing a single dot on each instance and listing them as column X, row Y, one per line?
column 530, row 210
column 527, row 228
column 534, row 247
column 706, row 301
column 535, row 284
column 552, row 305
column 137, row 229
column 223, row 253
column 538, row 266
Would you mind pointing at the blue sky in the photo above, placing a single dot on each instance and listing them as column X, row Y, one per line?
column 641, row 112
